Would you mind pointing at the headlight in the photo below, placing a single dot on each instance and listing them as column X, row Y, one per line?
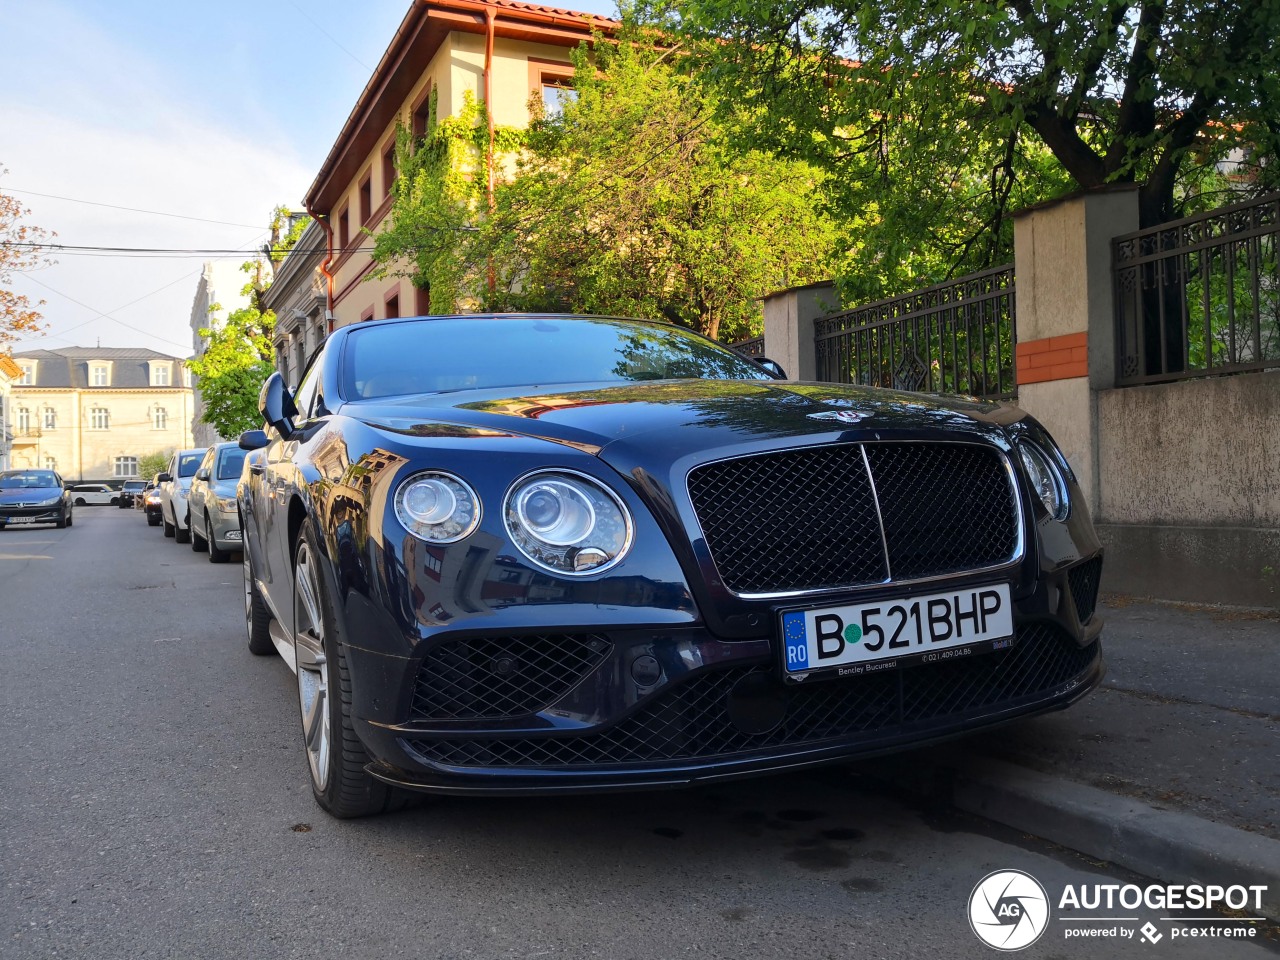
column 51, row 502
column 438, row 507
column 1046, row 479
column 183, row 493
column 568, row 523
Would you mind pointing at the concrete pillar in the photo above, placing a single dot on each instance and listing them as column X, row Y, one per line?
column 789, row 317
column 1066, row 325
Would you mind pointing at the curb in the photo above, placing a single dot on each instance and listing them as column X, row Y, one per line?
column 1166, row 846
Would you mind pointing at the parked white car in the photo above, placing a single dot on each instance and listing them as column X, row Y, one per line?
column 175, row 487
column 89, row 493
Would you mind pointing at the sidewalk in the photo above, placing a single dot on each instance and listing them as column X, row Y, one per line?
column 1171, row 768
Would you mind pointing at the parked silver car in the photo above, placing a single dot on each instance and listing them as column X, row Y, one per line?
column 214, row 518
column 175, row 486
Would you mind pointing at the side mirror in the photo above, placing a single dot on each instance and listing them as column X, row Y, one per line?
column 253, row 440
column 276, row 405
column 164, row 478
column 202, row 474
column 771, row 367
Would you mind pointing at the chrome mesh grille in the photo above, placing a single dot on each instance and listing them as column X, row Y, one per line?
column 691, row 721
column 501, row 677
column 807, row 519
column 946, row 507
column 790, row 521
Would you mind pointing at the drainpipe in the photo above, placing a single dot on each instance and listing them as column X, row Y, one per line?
column 324, row 265
column 490, row 16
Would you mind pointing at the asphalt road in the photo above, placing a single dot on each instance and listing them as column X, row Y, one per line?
column 154, row 803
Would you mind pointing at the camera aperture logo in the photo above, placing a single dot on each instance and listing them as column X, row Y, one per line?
column 1008, row 910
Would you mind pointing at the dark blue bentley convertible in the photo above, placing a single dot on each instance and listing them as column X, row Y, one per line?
column 529, row 554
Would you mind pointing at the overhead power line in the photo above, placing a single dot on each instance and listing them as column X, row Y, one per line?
column 113, row 206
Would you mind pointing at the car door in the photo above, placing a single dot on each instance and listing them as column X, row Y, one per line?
column 200, row 490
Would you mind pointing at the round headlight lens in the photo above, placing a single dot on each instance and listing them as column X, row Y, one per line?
column 568, row 523
column 437, row 507
column 1046, row 479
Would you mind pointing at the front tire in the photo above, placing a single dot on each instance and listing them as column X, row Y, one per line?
column 335, row 756
column 181, row 534
column 216, row 553
column 169, row 528
column 257, row 620
column 153, row 520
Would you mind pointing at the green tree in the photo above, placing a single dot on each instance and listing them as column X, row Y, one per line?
column 631, row 200
column 149, row 464
column 958, row 112
column 238, row 355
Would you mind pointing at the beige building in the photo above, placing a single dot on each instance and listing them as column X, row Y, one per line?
column 500, row 52
column 91, row 413
column 9, row 372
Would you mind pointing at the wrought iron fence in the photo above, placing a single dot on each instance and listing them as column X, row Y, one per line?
column 954, row 337
column 1200, row 296
column 752, row 348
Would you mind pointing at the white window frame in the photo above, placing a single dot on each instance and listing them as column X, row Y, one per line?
column 129, row 462
column 22, row 419
column 99, row 375
column 99, row 418
column 49, row 419
column 161, row 376
column 159, row 418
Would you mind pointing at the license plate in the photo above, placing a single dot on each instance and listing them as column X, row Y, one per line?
column 22, row 520
column 866, row 637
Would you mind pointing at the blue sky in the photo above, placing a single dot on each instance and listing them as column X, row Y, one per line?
column 211, row 110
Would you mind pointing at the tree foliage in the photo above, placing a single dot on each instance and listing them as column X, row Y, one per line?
column 238, row 355
column 632, row 200
column 149, row 464
column 956, row 112
column 19, row 251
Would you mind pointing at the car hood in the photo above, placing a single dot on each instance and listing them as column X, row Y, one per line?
column 681, row 417
column 29, row 495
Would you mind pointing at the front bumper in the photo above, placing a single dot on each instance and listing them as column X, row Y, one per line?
column 714, row 709
column 23, row 515
column 226, row 530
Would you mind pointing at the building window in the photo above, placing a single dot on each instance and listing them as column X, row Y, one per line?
column 24, row 420
column 28, row 375
column 50, row 463
column 98, row 376
column 421, row 124
column 344, row 231
column 366, row 198
column 126, row 466
column 186, row 377
column 159, row 419
column 388, row 168
column 160, row 375
column 555, row 94
column 99, row 419
column 50, row 418
column 393, row 306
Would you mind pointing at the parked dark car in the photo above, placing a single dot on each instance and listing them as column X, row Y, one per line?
column 563, row 554
column 34, row 496
column 151, row 504
column 130, row 491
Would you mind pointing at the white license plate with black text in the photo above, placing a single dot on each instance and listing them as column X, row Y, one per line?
column 864, row 637
column 22, row 520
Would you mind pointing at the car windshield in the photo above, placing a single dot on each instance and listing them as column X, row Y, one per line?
column 28, row 480
column 471, row 353
column 189, row 463
column 134, row 484
column 230, row 464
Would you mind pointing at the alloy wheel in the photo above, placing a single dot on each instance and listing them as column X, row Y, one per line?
column 313, row 667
